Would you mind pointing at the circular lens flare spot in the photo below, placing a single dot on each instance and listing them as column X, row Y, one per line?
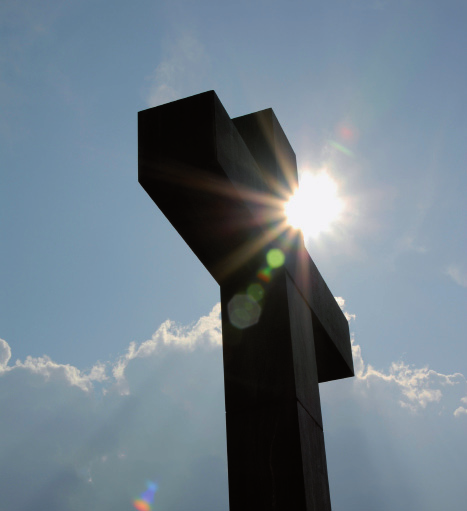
column 275, row 257
column 255, row 292
column 316, row 205
column 243, row 311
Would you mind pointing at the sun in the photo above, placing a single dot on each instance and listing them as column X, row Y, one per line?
column 316, row 204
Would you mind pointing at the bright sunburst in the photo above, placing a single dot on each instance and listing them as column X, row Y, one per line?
column 315, row 205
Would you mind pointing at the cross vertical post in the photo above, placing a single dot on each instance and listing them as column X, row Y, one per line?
column 221, row 183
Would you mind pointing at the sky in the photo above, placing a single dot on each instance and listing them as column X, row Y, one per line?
column 110, row 351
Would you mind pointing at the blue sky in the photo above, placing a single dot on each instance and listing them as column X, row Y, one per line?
column 90, row 266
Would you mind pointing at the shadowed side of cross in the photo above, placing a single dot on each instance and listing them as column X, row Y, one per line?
column 222, row 183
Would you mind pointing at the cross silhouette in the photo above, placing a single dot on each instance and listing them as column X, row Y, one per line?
column 223, row 183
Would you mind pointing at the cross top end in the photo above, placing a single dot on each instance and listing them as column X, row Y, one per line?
column 222, row 183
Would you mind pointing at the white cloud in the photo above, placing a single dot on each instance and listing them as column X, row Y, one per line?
column 460, row 411
column 414, row 387
column 341, row 302
column 5, row 354
column 67, row 445
column 181, row 72
column 457, row 274
column 50, row 370
column 205, row 332
column 392, row 440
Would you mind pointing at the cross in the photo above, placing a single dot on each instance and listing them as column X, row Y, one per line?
column 222, row 184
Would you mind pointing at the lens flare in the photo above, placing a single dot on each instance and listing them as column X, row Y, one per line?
column 264, row 274
column 341, row 148
column 255, row 292
column 316, row 205
column 141, row 505
column 347, row 131
column 145, row 499
column 275, row 257
column 244, row 311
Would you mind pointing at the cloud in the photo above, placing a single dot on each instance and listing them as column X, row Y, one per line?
column 5, row 354
column 205, row 332
column 457, row 274
column 408, row 244
column 395, row 438
column 71, row 439
column 460, row 411
column 180, row 73
column 341, row 302
column 414, row 388
column 50, row 370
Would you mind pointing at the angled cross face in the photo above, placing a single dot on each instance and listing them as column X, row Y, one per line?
column 222, row 184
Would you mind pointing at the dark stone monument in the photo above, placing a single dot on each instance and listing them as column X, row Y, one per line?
column 222, row 184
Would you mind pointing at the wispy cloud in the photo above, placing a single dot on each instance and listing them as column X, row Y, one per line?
column 180, row 73
column 412, row 387
column 457, row 274
column 408, row 243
